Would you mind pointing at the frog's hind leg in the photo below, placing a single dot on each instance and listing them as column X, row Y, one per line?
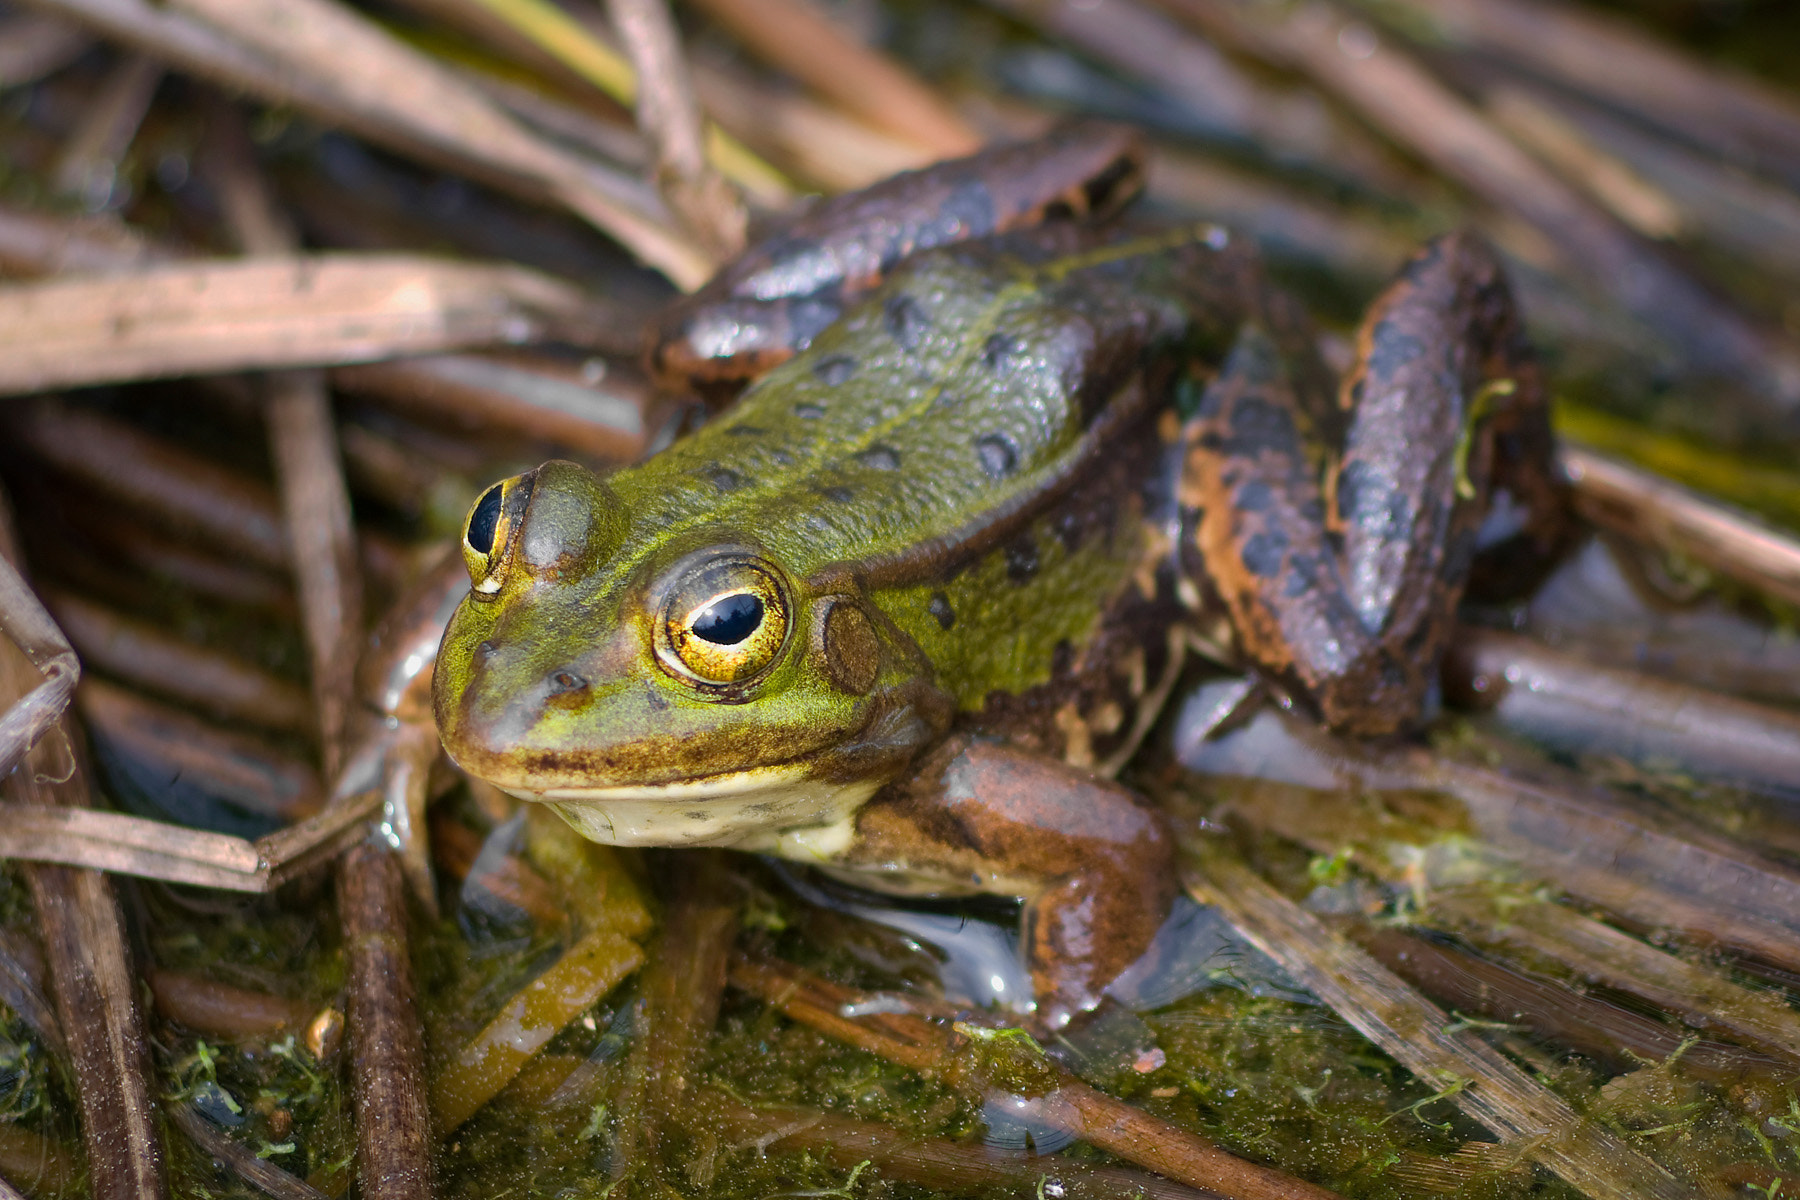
column 1343, row 579
column 1093, row 860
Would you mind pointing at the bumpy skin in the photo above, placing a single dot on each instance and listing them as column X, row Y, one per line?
column 1344, row 581
column 974, row 501
column 779, row 295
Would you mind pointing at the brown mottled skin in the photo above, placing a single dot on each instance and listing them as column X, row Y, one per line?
column 1343, row 582
column 988, row 533
column 1097, row 861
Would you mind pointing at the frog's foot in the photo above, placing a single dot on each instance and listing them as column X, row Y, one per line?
column 1094, row 862
column 1344, row 580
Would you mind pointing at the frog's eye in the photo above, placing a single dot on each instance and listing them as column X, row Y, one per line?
column 489, row 529
column 725, row 622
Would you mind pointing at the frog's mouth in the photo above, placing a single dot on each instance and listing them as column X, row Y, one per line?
column 766, row 808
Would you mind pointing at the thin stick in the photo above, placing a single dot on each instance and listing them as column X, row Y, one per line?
column 228, row 511
column 1703, row 996
column 1731, row 115
column 1556, row 697
column 670, row 119
column 34, row 46
column 1551, row 1010
column 1489, row 1088
column 91, row 975
column 32, row 713
column 574, row 39
column 1399, row 95
column 387, row 1048
column 796, row 37
column 147, row 655
column 1649, row 508
column 88, row 166
column 37, row 243
column 240, row 1160
column 348, row 73
column 932, row 1162
column 149, row 849
column 308, row 469
column 1091, row 1115
column 682, row 988
column 530, row 399
column 211, row 316
column 819, row 142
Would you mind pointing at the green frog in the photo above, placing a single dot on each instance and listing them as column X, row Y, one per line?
column 905, row 607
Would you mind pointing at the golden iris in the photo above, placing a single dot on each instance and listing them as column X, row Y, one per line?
column 725, row 622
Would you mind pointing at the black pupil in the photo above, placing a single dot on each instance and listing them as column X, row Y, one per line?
column 484, row 520
column 729, row 621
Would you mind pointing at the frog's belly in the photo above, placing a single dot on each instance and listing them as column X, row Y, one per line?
column 775, row 809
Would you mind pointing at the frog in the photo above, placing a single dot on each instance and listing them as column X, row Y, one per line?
column 991, row 459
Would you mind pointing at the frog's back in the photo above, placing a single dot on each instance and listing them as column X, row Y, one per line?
column 966, row 396
column 974, row 447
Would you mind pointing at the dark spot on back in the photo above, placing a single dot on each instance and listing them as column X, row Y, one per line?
column 1258, row 426
column 834, row 369
column 999, row 457
column 906, row 321
column 810, row 317
column 723, row 478
column 1021, row 559
column 940, row 608
column 836, row 493
column 809, row 412
column 997, row 352
column 781, row 457
column 745, row 431
column 1254, row 497
column 880, row 458
column 1263, row 553
column 1099, row 190
column 1398, row 514
column 1303, row 576
column 1070, row 527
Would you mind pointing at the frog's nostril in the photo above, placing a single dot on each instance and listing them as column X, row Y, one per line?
column 566, row 681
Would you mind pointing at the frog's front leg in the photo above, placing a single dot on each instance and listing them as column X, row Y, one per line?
column 1093, row 861
column 1342, row 579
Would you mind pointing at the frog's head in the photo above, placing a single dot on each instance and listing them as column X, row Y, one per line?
column 667, row 688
